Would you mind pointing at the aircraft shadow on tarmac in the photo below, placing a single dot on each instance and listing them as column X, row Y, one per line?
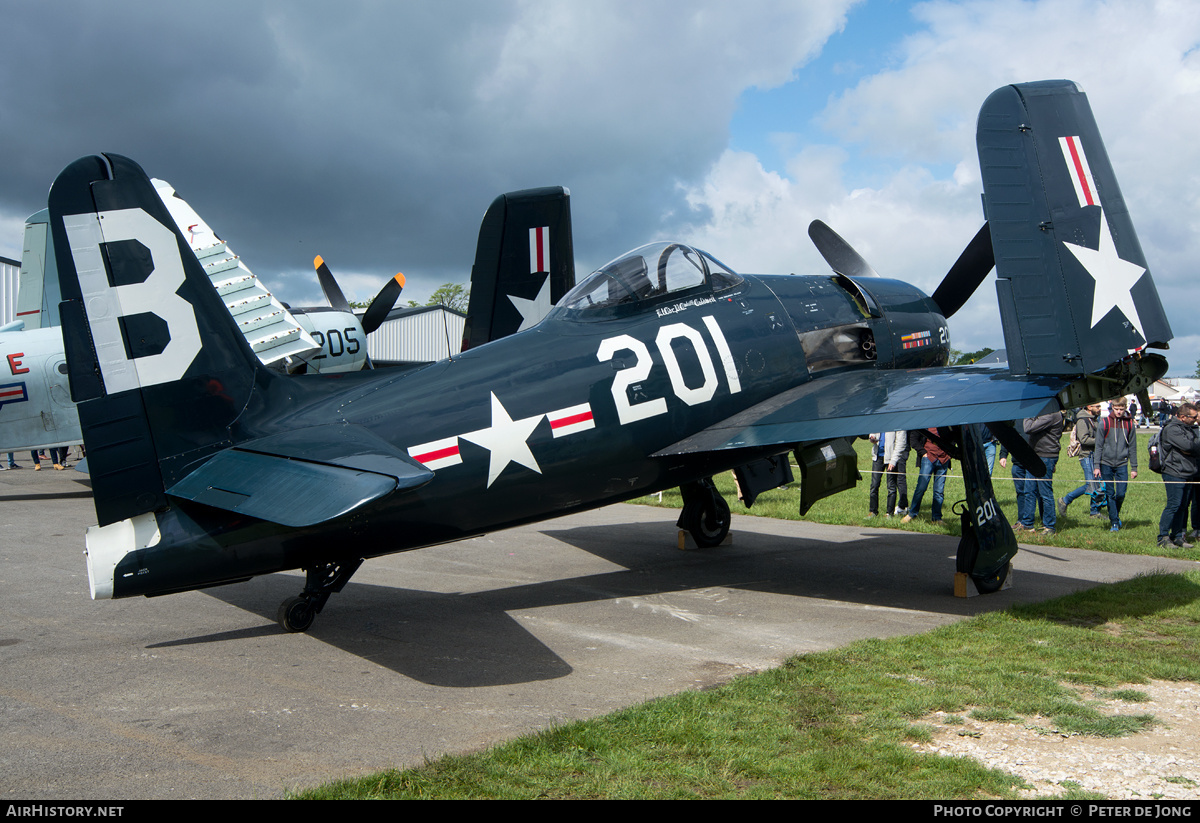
column 470, row 640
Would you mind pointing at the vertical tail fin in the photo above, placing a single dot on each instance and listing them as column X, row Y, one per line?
column 1075, row 292
column 157, row 365
column 524, row 263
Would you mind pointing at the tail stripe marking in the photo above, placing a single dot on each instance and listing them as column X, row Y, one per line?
column 539, row 249
column 1081, row 174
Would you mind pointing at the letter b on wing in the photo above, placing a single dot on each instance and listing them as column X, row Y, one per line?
column 129, row 301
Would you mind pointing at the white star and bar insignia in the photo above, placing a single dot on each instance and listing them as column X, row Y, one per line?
column 1115, row 278
column 506, row 439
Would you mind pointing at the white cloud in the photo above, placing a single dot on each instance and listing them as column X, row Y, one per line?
column 1139, row 63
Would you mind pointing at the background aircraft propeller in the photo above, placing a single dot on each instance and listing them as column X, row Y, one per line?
column 377, row 312
column 378, row 309
column 333, row 292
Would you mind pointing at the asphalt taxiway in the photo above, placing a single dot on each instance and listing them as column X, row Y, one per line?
column 447, row 649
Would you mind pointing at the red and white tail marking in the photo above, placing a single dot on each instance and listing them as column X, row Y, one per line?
column 1081, row 174
column 571, row 420
column 539, row 249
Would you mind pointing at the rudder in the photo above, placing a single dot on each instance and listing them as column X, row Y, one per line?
column 524, row 263
column 1075, row 292
column 158, row 369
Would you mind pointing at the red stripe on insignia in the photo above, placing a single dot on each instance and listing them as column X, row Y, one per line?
column 1087, row 192
column 23, row 313
column 570, row 421
column 429, row 457
column 541, row 263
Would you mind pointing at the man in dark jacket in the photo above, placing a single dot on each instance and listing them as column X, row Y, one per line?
column 1115, row 457
column 1045, row 434
column 1180, row 448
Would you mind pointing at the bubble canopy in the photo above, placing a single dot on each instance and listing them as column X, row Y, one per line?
column 642, row 277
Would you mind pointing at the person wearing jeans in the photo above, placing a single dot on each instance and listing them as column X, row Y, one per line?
column 1085, row 436
column 935, row 465
column 1180, row 448
column 1045, row 436
column 1115, row 458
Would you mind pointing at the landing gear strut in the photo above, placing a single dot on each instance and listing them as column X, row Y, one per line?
column 296, row 614
column 705, row 513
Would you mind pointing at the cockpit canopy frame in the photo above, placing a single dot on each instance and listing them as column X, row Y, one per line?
column 645, row 277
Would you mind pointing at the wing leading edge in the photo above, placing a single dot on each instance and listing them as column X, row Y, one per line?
column 864, row 401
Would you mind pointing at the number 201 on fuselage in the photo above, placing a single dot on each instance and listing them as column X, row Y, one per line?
column 628, row 411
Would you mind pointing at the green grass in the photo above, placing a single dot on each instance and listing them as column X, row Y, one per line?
column 1144, row 501
column 842, row 724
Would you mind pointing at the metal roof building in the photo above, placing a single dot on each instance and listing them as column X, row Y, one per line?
column 417, row 334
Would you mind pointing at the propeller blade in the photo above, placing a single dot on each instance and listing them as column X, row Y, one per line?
column 333, row 293
column 1019, row 448
column 968, row 271
column 377, row 312
column 840, row 256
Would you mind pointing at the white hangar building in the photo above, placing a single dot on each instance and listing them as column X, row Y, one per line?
column 417, row 334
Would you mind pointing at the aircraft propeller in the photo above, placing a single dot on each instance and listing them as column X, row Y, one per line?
column 968, row 271
column 377, row 312
column 378, row 309
column 964, row 277
column 333, row 292
column 839, row 254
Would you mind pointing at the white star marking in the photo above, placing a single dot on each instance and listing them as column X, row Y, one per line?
column 1114, row 278
column 532, row 311
column 505, row 439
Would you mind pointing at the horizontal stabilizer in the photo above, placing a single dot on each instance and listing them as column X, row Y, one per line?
column 304, row 477
column 864, row 401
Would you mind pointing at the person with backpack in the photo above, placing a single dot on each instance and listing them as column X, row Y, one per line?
column 1179, row 449
column 1083, row 445
column 1115, row 457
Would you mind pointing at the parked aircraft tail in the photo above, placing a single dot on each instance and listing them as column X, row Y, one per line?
column 1075, row 292
column 524, row 263
column 136, row 308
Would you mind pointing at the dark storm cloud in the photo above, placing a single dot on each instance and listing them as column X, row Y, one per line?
column 377, row 133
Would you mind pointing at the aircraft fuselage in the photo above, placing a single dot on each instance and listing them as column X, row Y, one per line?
column 560, row 418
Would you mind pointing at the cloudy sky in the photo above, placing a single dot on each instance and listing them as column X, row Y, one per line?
column 376, row 133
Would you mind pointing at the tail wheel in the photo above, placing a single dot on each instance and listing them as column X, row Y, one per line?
column 296, row 614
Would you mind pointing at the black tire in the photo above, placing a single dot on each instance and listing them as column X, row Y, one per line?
column 707, row 525
column 296, row 615
column 992, row 583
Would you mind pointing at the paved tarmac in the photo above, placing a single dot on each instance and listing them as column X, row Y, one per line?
column 448, row 649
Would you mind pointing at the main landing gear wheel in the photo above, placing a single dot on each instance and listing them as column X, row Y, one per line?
column 992, row 583
column 705, row 513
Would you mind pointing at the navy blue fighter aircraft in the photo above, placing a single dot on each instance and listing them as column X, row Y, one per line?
column 658, row 370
